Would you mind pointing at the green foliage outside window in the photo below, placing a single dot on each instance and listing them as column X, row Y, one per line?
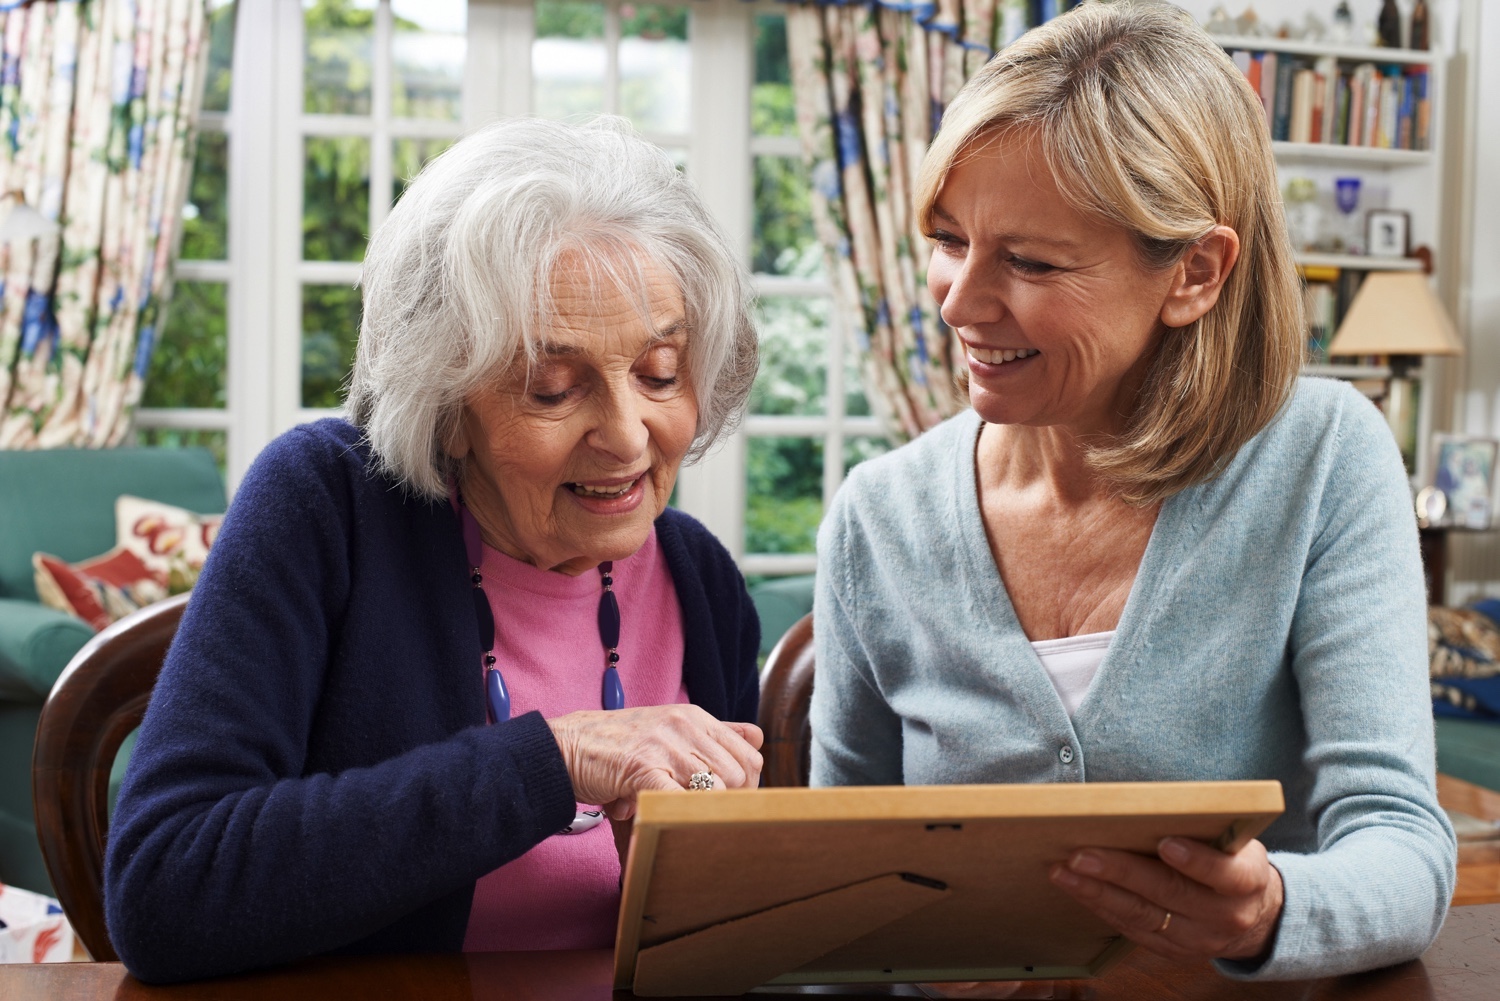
column 189, row 366
column 330, row 327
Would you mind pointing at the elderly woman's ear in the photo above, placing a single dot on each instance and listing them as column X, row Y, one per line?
column 1200, row 277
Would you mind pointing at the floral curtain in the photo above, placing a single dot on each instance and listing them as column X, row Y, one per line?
column 871, row 82
column 98, row 100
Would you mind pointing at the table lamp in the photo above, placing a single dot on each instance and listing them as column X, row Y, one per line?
column 1395, row 313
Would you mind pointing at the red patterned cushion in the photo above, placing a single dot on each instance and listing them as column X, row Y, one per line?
column 99, row 590
column 172, row 541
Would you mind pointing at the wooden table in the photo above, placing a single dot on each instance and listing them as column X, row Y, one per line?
column 1464, row 965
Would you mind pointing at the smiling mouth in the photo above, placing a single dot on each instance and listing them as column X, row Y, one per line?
column 1000, row 357
column 603, row 492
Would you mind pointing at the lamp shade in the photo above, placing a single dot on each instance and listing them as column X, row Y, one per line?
column 1395, row 313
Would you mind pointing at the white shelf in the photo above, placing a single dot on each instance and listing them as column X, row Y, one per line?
column 1351, row 53
column 1358, row 262
column 1341, row 153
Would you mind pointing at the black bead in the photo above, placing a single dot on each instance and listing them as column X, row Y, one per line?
column 609, row 581
column 614, row 658
column 476, row 579
column 489, row 659
column 609, row 620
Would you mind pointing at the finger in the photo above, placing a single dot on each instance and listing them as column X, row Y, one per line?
column 1148, row 879
column 619, row 810
column 749, row 733
column 1135, row 918
column 1242, row 874
column 708, row 755
column 745, row 754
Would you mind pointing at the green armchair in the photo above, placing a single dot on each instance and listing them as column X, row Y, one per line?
column 63, row 502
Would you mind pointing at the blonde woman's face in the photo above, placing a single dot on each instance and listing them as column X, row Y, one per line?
column 568, row 464
column 1058, row 320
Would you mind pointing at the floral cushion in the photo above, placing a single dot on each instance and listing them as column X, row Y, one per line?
column 99, row 590
column 172, row 541
column 1463, row 646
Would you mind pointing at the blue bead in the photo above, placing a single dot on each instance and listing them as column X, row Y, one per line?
column 614, row 692
column 496, row 695
column 609, row 620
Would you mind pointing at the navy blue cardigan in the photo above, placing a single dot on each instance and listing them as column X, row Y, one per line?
column 314, row 774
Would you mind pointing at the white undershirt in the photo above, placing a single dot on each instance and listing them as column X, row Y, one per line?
column 1071, row 663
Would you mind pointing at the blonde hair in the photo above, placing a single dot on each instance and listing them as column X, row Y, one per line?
column 1148, row 125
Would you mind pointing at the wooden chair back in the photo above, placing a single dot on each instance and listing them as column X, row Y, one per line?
column 98, row 700
column 785, row 694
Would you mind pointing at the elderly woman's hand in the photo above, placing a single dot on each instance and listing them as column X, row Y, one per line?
column 613, row 756
column 1195, row 903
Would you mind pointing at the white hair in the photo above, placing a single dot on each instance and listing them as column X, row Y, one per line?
column 457, row 281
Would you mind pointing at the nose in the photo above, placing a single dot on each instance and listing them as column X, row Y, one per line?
column 620, row 430
column 966, row 291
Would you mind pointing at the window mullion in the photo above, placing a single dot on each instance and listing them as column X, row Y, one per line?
column 380, row 114
column 612, row 57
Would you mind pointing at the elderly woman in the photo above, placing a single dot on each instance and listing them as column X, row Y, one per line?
column 429, row 645
column 1150, row 552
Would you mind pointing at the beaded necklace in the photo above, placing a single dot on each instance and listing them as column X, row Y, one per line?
column 497, row 695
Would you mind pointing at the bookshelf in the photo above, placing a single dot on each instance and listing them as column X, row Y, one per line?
column 1399, row 163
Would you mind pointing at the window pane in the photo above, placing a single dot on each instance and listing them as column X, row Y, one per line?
column 335, row 198
column 427, row 58
column 857, row 450
column 330, row 326
column 338, row 51
column 205, row 215
column 189, row 364
column 220, row 55
column 772, row 111
column 216, row 442
column 654, row 66
column 784, row 242
column 567, row 59
column 408, row 157
column 793, row 359
column 784, row 491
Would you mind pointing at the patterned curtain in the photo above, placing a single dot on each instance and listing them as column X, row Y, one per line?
column 98, row 100
column 871, row 82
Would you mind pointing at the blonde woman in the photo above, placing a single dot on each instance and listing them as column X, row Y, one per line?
column 1150, row 551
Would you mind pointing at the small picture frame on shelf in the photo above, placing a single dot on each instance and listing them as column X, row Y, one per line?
column 1464, row 472
column 1387, row 233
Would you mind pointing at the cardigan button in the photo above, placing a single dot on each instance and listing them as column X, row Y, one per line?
column 1065, row 754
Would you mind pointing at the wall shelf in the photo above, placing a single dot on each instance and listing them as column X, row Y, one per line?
column 1358, row 262
column 1347, row 53
column 1354, row 155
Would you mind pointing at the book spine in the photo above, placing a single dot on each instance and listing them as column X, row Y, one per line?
column 1357, row 108
column 1268, row 89
column 1404, row 118
column 1341, row 119
column 1300, row 129
column 1328, row 70
column 1281, row 122
column 1372, row 107
column 1389, row 106
column 1422, row 138
column 1257, row 62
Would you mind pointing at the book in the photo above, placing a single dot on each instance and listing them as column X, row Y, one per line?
column 1422, row 127
column 1299, row 130
column 1281, row 119
column 1268, row 89
column 1328, row 71
column 1341, row 115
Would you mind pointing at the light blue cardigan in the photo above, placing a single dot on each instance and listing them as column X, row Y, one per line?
column 1276, row 630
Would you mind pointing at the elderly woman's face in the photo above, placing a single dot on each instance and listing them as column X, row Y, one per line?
column 1058, row 319
column 566, row 465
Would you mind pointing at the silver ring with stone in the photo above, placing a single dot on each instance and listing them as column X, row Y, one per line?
column 701, row 782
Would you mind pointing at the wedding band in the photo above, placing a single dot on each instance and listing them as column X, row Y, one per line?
column 701, row 781
column 1164, row 922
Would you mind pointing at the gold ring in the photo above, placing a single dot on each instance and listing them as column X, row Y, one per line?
column 1164, row 922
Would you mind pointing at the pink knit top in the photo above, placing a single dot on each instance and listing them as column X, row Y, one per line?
column 565, row 892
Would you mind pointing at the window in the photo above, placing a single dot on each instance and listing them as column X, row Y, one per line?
column 292, row 177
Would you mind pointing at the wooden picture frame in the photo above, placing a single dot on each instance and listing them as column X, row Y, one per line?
column 1387, row 233
column 725, row 892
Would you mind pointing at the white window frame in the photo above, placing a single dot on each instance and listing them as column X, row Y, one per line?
column 264, row 272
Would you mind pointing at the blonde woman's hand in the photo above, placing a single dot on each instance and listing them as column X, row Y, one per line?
column 1221, row 906
column 613, row 756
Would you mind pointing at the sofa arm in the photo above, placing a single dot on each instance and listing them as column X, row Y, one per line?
column 36, row 643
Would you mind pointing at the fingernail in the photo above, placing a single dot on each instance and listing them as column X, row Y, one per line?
column 1089, row 865
column 1173, row 850
column 1060, row 874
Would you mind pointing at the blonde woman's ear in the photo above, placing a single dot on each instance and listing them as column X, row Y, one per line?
column 1200, row 277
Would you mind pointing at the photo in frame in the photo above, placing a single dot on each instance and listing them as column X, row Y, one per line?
column 1464, row 472
column 1387, row 233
